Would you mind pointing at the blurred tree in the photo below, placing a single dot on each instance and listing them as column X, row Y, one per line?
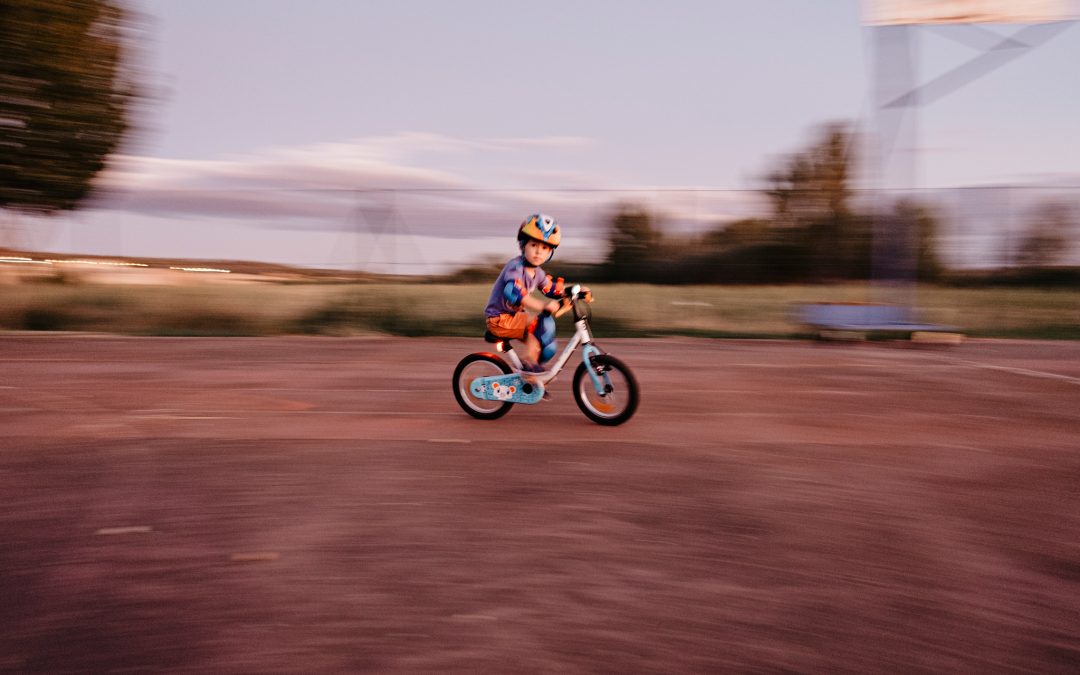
column 812, row 185
column 1047, row 238
column 811, row 206
column 922, row 218
column 633, row 243
column 745, row 232
column 64, row 100
column 813, row 231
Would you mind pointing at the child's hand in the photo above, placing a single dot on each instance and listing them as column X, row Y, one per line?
column 552, row 306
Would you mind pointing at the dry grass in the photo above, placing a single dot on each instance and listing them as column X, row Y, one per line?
column 440, row 309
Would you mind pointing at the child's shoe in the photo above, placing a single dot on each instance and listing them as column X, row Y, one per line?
column 530, row 372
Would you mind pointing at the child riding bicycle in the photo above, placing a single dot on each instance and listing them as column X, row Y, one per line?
column 508, row 309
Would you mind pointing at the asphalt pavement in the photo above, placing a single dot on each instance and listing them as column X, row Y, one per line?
column 298, row 504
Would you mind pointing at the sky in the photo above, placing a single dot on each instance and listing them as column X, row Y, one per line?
column 414, row 135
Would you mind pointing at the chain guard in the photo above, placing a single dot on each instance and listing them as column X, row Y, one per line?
column 509, row 388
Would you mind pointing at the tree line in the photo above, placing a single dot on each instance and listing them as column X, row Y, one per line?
column 813, row 231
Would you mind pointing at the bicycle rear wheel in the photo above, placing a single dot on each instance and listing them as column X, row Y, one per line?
column 619, row 400
column 470, row 368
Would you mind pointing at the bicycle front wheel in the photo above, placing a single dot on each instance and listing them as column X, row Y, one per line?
column 470, row 368
column 619, row 400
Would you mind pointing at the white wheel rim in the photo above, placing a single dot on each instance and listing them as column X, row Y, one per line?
column 468, row 374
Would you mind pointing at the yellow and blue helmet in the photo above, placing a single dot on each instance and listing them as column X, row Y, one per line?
column 540, row 227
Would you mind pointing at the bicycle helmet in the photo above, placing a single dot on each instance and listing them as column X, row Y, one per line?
column 541, row 228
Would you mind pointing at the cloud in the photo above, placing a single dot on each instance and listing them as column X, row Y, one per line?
column 401, row 161
column 423, row 183
column 408, row 203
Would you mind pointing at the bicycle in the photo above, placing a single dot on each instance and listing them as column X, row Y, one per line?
column 486, row 386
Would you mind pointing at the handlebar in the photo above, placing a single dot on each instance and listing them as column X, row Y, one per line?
column 575, row 293
column 570, row 297
column 564, row 307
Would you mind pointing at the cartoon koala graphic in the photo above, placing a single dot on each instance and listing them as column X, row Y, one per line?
column 502, row 391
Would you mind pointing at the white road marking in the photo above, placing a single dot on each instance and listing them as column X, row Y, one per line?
column 830, row 392
column 1016, row 371
column 183, row 417
column 131, row 529
column 322, row 389
column 257, row 556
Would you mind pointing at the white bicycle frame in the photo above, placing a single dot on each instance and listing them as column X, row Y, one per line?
column 582, row 336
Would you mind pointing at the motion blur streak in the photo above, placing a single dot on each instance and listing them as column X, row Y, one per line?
column 294, row 504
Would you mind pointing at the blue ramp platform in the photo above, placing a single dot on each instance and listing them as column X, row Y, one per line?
column 827, row 318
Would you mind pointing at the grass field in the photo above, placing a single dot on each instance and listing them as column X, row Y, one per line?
column 438, row 309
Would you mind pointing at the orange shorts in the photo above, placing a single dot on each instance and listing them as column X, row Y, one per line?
column 512, row 326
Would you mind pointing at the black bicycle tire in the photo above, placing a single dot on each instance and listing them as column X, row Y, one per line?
column 634, row 395
column 472, row 358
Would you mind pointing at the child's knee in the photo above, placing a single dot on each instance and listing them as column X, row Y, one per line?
column 545, row 335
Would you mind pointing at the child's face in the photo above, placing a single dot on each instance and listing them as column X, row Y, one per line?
column 536, row 252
